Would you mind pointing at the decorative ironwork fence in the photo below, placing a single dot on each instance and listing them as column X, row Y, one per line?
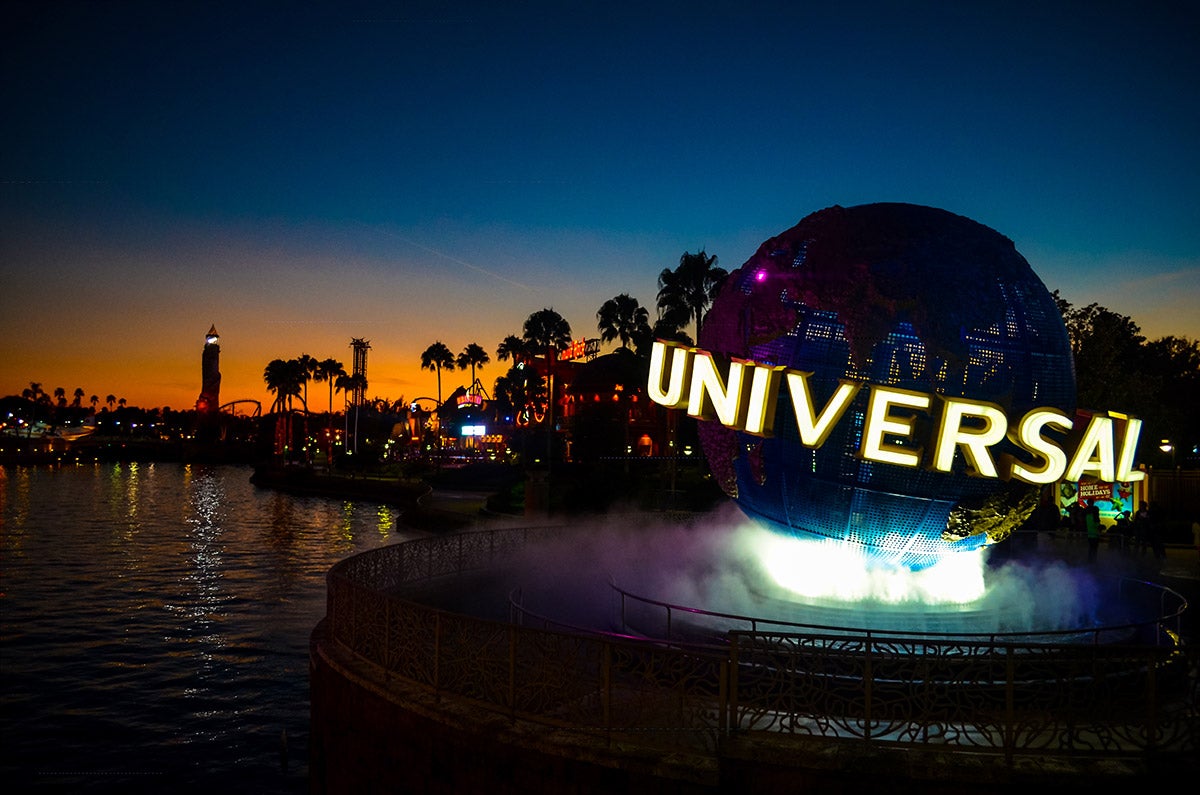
column 979, row 695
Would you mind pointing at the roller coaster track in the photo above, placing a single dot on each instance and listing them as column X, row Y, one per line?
column 257, row 406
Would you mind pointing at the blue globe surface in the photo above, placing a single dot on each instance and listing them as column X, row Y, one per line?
column 899, row 295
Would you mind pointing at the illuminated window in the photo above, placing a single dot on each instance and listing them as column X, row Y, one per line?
column 801, row 254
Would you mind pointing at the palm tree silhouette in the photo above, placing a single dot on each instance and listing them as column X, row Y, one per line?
column 684, row 294
column 511, row 347
column 35, row 394
column 329, row 370
column 472, row 356
column 308, row 368
column 283, row 378
column 343, row 383
column 79, row 393
column 623, row 318
column 435, row 357
column 547, row 330
column 514, row 392
column 351, row 385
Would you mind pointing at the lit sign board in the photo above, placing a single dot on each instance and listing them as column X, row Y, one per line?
column 1111, row 499
column 580, row 349
column 474, row 430
column 745, row 399
column 469, row 399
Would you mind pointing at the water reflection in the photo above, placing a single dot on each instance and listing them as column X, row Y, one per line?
column 283, row 521
column 387, row 520
column 202, row 596
column 14, row 505
column 123, row 498
column 156, row 621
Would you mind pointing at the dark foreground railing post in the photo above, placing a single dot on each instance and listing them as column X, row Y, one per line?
column 512, row 672
column 730, row 704
column 868, row 688
column 606, row 690
column 352, row 602
column 1152, row 704
column 437, row 652
column 1009, row 733
column 389, row 652
column 723, row 699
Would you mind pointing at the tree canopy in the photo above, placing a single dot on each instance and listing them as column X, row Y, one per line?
column 284, row 378
column 471, row 357
column 435, row 357
column 685, row 293
column 548, row 331
column 623, row 318
column 1117, row 369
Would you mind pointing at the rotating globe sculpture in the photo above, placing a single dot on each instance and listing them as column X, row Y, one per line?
column 911, row 297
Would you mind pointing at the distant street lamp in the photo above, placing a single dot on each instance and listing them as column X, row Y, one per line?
column 1167, row 447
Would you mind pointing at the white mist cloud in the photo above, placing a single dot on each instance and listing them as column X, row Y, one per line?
column 731, row 565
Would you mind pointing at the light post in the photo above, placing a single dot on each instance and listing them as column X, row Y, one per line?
column 1167, row 447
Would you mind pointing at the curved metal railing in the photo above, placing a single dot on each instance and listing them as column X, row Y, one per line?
column 1161, row 629
column 989, row 695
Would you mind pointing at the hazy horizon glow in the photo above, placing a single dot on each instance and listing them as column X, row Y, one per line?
column 303, row 175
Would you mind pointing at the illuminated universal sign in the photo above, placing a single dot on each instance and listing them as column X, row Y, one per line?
column 745, row 397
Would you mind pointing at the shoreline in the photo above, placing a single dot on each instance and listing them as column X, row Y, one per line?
column 305, row 481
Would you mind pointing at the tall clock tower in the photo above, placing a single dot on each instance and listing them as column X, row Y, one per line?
column 210, row 363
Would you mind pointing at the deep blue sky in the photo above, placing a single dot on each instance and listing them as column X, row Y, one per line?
column 300, row 174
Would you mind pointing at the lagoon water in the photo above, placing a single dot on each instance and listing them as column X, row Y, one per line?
column 154, row 625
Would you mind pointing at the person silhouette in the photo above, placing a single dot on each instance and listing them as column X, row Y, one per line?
column 1091, row 519
column 1196, row 535
column 1154, row 531
column 1141, row 529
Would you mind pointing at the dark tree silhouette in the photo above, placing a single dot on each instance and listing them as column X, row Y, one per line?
column 623, row 318
column 685, row 293
column 471, row 357
column 512, row 347
column 435, row 357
